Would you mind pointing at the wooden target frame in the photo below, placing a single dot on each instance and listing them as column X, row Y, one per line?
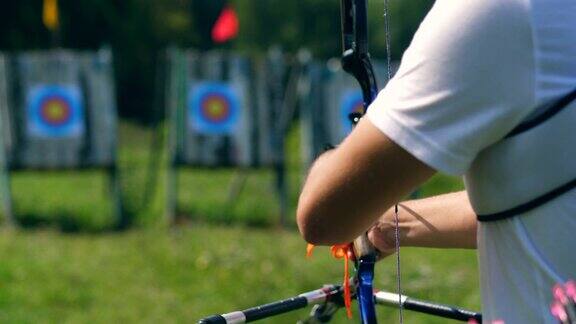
column 60, row 114
column 219, row 105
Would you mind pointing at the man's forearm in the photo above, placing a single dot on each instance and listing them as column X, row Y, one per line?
column 445, row 221
column 349, row 188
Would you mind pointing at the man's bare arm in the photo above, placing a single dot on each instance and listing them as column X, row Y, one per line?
column 349, row 188
column 445, row 221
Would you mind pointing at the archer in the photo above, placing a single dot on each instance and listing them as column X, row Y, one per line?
column 484, row 91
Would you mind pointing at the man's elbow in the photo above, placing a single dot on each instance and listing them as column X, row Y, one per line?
column 311, row 231
column 308, row 227
column 314, row 225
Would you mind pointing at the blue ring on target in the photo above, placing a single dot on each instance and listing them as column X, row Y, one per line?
column 351, row 101
column 214, row 108
column 55, row 111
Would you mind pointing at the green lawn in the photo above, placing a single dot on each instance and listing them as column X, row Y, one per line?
column 65, row 267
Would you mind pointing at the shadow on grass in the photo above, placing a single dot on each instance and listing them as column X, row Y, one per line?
column 185, row 218
column 70, row 223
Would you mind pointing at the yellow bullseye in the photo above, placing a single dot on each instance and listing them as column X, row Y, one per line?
column 215, row 108
column 55, row 111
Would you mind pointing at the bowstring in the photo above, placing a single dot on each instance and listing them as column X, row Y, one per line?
column 396, row 218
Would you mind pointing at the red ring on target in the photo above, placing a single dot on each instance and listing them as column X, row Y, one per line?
column 215, row 108
column 55, row 111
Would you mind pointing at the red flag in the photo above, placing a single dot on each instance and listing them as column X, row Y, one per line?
column 227, row 25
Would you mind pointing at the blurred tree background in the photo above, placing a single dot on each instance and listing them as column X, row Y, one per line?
column 138, row 30
column 151, row 274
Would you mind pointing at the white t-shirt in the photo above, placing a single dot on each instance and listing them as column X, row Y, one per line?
column 475, row 70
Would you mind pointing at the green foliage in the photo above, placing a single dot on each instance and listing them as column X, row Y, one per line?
column 138, row 30
column 404, row 19
column 315, row 24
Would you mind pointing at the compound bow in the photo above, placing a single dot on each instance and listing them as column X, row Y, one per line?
column 356, row 61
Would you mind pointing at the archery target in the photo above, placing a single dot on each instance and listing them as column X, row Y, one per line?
column 351, row 101
column 214, row 108
column 55, row 111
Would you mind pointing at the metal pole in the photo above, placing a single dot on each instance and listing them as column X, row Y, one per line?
column 4, row 163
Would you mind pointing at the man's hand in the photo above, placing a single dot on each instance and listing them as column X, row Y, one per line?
column 445, row 221
column 383, row 236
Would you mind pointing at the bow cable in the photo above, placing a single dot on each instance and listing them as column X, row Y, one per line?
column 396, row 218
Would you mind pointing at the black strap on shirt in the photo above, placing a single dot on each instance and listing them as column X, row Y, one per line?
column 556, row 107
column 548, row 113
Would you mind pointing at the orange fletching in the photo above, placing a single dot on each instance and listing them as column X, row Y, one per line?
column 340, row 251
column 309, row 249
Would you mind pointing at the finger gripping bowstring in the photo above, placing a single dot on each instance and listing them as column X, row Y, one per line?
column 356, row 61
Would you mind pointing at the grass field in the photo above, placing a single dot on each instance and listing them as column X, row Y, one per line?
column 65, row 267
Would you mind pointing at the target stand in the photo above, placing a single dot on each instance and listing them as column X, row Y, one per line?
column 59, row 113
column 224, row 112
column 5, row 192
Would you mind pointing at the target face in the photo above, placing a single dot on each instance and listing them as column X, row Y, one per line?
column 214, row 108
column 55, row 111
column 351, row 101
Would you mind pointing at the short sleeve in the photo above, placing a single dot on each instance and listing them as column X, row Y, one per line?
column 465, row 81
